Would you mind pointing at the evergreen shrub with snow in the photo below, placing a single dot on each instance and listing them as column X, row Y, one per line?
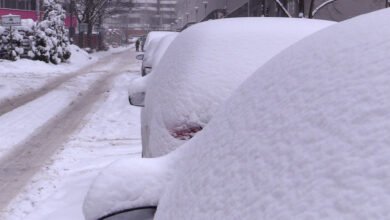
column 15, row 43
column 46, row 41
column 51, row 41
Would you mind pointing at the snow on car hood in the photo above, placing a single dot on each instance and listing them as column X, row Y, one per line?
column 126, row 184
column 205, row 63
column 306, row 137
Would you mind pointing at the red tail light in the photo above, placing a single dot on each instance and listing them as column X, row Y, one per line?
column 185, row 133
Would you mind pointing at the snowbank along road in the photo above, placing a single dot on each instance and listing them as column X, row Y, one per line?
column 34, row 126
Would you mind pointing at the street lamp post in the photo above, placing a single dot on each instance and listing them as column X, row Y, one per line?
column 71, row 13
column 205, row 7
column 226, row 6
column 196, row 13
column 180, row 20
column 38, row 9
column 249, row 8
column 187, row 15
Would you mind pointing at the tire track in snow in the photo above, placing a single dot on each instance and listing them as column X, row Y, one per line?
column 27, row 158
column 12, row 103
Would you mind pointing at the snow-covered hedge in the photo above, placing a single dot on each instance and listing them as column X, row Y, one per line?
column 46, row 40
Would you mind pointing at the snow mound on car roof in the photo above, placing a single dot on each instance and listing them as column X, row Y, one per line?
column 156, row 49
column 205, row 63
column 155, row 35
column 307, row 137
column 162, row 47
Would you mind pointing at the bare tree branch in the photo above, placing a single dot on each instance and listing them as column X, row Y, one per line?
column 283, row 8
column 92, row 12
column 321, row 6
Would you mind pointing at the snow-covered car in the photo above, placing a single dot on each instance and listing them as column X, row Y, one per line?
column 158, row 48
column 155, row 35
column 201, row 68
column 151, row 43
column 305, row 137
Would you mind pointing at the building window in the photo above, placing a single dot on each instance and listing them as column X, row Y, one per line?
column 18, row 4
column 10, row 4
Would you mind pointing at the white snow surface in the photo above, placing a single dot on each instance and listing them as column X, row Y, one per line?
column 17, row 77
column 17, row 125
column 30, row 23
column 78, row 56
column 155, row 35
column 306, row 137
column 109, row 133
column 162, row 47
column 156, row 49
column 148, row 55
column 202, row 67
column 138, row 183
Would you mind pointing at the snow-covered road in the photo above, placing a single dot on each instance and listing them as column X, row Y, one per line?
column 85, row 118
column 12, row 102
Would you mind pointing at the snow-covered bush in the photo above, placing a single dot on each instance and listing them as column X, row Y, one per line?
column 16, row 42
column 51, row 42
column 46, row 41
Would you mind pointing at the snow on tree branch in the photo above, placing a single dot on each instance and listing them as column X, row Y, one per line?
column 321, row 6
column 51, row 43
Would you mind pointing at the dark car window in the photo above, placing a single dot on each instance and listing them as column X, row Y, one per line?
column 146, row 213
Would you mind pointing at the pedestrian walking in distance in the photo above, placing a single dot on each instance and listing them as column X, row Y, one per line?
column 137, row 45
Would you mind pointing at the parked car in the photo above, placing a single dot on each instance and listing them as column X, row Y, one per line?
column 201, row 68
column 151, row 43
column 306, row 137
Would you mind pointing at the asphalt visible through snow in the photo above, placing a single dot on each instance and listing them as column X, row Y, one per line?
column 26, row 158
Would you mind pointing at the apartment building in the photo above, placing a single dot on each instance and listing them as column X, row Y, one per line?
column 144, row 16
column 18, row 4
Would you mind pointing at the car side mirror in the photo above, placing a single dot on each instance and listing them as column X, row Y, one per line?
column 146, row 213
column 139, row 57
column 137, row 99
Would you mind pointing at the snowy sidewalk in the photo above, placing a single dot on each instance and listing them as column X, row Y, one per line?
column 32, row 132
column 112, row 132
